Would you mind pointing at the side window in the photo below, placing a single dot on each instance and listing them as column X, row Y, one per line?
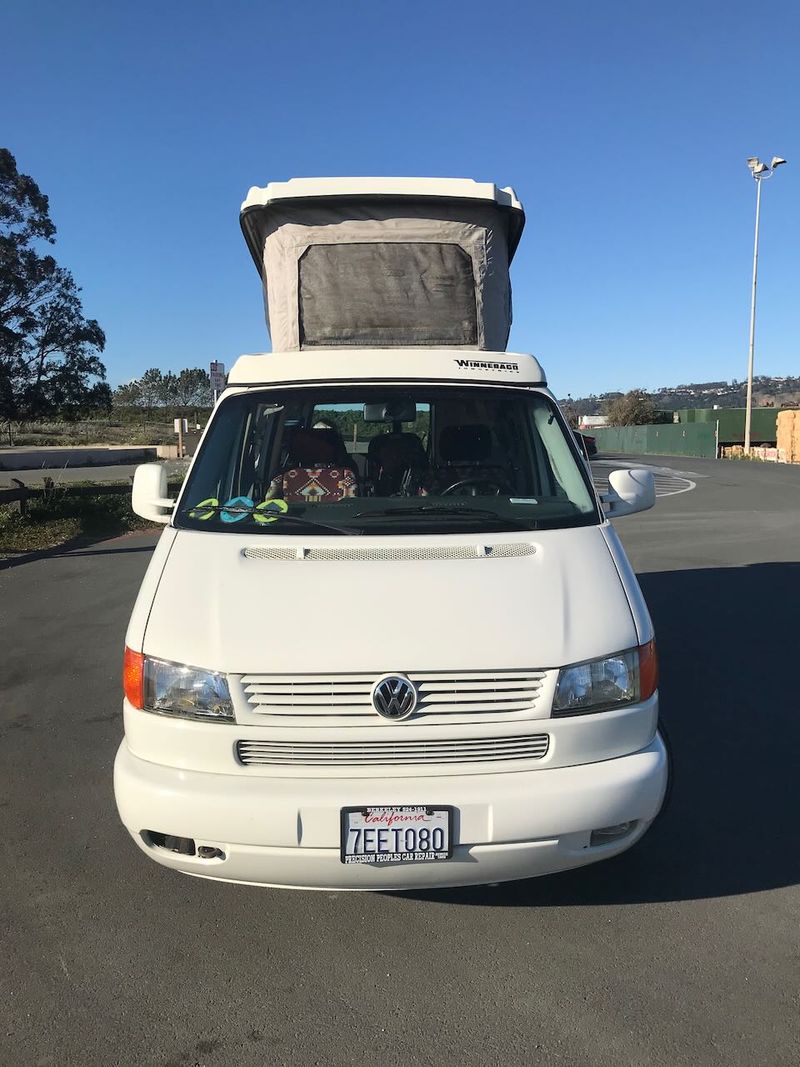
column 564, row 473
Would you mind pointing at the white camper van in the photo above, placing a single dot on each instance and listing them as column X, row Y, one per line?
column 389, row 638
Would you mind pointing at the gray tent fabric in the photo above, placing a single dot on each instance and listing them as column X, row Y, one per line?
column 379, row 273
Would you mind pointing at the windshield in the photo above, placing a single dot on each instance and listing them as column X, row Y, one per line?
column 365, row 460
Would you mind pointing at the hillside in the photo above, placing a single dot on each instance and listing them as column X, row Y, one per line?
column 767, row 391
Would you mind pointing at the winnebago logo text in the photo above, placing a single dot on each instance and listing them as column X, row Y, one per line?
column 485, row 364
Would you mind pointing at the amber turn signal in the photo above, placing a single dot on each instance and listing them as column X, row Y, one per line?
column 133, row 677
column 648, row 670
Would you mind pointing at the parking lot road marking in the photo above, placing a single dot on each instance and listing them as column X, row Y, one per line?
column 668, row 482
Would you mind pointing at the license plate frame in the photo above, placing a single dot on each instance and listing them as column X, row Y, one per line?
column 401, row 812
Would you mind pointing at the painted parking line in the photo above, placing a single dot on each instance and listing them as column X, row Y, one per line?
column 668, row 482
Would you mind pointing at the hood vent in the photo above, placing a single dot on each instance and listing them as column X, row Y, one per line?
column 388, row 553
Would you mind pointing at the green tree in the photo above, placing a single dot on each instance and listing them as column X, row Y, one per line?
column 571, row 414
column 128, row 395
column 159, row 389
column 151, row 388
column 49, row 352
column 635, row 408
column 168, row 391
column 193, row 388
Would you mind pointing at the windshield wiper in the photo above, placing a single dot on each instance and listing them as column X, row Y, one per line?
column 274, row 516
column 446, row 510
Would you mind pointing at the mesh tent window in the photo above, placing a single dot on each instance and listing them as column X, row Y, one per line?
column 386, row 293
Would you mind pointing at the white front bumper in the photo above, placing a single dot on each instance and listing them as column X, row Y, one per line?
column 285, row 831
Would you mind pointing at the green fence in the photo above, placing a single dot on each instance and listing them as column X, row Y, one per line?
column 763, row 425
column 676, row 439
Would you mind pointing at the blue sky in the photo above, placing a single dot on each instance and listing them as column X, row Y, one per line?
column 623, row 127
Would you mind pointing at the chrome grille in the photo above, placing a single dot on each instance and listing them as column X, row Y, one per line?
column 313, row 699
column 390, row 753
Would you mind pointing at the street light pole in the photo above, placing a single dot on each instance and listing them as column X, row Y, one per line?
column 759, row 171
column 748, row 411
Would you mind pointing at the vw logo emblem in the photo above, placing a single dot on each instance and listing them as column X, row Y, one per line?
column 394, row 697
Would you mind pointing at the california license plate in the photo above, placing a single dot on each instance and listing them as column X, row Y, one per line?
column 396, row 834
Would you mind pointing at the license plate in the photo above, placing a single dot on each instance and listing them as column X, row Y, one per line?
column 396, row 834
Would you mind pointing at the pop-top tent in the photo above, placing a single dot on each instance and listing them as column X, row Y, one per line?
column 384, row 262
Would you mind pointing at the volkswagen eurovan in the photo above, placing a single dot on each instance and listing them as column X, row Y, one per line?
column 389, row 637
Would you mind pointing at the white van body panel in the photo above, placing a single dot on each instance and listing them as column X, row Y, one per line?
column 641, row 616
column 294, row 605
column 285, row 832
column 218, row 609
column 254, row 773
column 134, row 637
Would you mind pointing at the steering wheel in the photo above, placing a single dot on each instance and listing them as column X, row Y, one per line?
column 475, row 487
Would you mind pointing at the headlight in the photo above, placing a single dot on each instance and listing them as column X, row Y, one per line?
column 174, row 689
column 600, row 684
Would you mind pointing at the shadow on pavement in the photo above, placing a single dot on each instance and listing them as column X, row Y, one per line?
column 79, row 546
column 728, row 646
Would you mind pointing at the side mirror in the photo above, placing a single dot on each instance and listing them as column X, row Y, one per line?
column 150, row 498
column 629, row 491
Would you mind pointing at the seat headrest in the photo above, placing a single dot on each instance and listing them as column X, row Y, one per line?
column 327, row 433
column 465, row 444
column 312, row 448
column 397, row 449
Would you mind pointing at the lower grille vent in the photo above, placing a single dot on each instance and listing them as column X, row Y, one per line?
column 390, row 753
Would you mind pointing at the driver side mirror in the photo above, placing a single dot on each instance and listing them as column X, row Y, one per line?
column 150, row 490
column 629, row 491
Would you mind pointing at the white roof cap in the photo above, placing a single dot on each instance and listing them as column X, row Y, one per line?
column 385, row 365
column 317, row 188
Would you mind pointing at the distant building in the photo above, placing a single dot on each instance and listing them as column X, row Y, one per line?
column 592, row 422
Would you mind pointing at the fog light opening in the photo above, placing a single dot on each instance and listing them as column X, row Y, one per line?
column 210, row 852
column 606, row 835
column 183, row 846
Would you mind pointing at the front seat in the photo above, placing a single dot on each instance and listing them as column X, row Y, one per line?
column 341, row 457
column 314, row 472
column 463, row 454
column 394, row 461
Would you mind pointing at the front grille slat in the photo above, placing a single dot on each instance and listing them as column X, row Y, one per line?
column 471, row 696
column 305, row 679
column 380, row 753
column 302, row 691
column 308, row 699
column 283, row 698
column 483, row 686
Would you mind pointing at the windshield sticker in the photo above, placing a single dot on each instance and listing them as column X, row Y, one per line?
column 522, row 500
column 269, row 510
column 236, row 509
column 205, row 509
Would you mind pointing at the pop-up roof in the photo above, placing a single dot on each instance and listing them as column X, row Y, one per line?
column 384, row 262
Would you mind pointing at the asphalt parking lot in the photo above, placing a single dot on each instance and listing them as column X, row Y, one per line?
column 684, row 951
